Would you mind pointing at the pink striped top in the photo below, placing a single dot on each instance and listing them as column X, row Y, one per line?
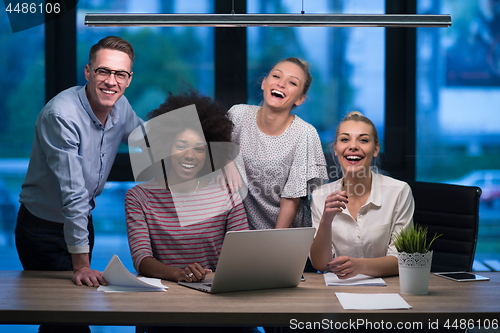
column 193, row 232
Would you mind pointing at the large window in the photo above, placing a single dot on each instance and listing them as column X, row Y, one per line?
column 347, row 65
column 22, row 96
column 458, row 88
column 166, row 60
column 458, row 93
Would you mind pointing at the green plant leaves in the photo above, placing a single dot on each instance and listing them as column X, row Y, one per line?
column 413, row 239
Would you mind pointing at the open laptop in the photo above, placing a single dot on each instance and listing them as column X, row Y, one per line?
column 259, row 259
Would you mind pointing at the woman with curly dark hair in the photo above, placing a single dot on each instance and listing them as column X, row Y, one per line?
column 176, row 222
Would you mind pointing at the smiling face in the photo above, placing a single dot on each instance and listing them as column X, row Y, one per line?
column 355, row 147
column 189, row 153
column 283, row 87
column 103, row 94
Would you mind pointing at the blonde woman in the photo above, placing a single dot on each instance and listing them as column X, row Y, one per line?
column 357, row 215
column 282, row 154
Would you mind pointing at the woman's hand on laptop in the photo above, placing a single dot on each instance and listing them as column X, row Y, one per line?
column 193, row 273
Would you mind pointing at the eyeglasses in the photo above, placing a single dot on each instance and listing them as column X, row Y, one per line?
column 104, row 73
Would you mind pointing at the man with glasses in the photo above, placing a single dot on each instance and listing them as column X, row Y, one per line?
column 77, row 135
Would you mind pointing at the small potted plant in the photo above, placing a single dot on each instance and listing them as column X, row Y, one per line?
column 414, row 259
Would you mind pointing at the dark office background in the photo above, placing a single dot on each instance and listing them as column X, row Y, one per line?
column 432, row 92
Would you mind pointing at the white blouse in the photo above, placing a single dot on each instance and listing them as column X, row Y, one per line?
column 389, row 208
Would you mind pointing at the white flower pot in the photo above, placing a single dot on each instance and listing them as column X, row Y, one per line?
column 414, row 272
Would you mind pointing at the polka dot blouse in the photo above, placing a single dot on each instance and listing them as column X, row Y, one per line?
column 289, row 165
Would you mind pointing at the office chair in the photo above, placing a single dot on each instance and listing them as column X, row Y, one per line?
column 453, row 211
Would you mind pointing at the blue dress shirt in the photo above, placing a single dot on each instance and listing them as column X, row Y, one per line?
column 70, row 161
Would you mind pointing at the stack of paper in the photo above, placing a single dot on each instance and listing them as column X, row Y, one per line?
column 372, row 301
column 331, row 279
column 119, row 279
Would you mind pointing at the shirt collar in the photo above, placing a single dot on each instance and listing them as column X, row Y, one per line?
column 375, row 197
column 376, row 192
column 113, row 116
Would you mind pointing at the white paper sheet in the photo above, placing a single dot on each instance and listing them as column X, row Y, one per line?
column 352, row 301
column 331, row 279
column 119, row 279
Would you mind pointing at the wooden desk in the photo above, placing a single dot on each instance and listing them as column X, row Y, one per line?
column 51, row 297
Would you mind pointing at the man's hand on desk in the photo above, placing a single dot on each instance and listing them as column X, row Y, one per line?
column 82, row 273
column 90, row 277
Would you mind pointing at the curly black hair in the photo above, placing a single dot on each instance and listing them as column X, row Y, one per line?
column 216, row 125
column 213, row 118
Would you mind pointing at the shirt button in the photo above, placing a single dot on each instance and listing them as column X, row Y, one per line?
column 359, row 237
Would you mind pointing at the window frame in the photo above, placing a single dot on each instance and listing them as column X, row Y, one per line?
column 231, row 80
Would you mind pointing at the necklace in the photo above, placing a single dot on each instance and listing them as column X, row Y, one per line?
column 181, row 203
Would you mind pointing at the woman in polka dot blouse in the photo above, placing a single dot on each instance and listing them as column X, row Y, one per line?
column 281, row 153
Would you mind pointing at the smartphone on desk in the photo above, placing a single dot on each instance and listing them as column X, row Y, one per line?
column 462, row 276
